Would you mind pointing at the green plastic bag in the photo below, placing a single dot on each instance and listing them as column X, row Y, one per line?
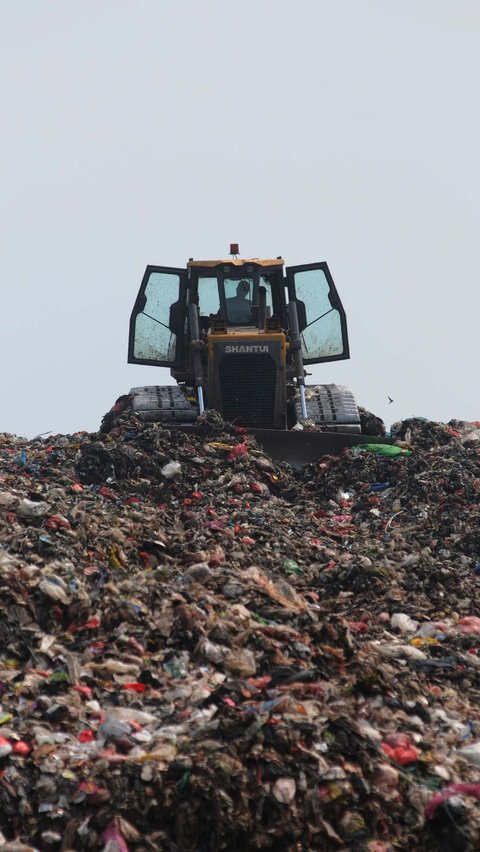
column 384, row 449
column 291, row 567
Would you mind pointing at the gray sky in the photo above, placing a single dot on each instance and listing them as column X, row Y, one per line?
column 138, row 132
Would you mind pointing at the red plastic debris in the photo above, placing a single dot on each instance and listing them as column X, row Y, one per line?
column 237, row 452
column 401, row 754
column 86, row 691
column 55, row 522
column 21, row 748
column 86, row 736
column 134, row 687
column 469, row 624
column 107, row 493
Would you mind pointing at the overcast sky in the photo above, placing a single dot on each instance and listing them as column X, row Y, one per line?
column 137, row 132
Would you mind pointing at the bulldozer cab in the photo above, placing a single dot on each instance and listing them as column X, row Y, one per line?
column 231, row 293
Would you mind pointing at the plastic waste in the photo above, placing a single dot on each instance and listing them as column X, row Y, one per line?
column 428, row 629
column 290, row 566
column 430, row 666
column 386, row 777
column 5, row 747
column 471, row 753
column 449, row 825
column 179, row 654
column 211, row 651
column 33, row 509
column 383, row 449
column 240, row 662
column 398, row 652
column 403, row 622
column 171, row 469
column 453, row 790
column 468, row 624
column 402, row 755
column 284, row 790
column 113, row 728
column 113, row 839
column 7, row 499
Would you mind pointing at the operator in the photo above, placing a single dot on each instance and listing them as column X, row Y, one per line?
column 239, row 309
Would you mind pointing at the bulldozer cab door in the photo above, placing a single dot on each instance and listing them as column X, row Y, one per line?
column 321, row 317
column 158, row 318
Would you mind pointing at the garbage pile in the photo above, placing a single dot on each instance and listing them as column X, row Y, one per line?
column 201, row 649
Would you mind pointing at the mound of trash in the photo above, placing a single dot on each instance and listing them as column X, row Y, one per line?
column 201, row 649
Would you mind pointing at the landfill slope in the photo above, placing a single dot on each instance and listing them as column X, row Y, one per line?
column 201, row 649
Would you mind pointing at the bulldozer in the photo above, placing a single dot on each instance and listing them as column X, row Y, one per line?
column 237, row 336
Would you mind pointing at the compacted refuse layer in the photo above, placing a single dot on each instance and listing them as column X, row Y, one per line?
column 202, row 649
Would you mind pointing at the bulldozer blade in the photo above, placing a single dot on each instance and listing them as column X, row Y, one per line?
column 298, row 448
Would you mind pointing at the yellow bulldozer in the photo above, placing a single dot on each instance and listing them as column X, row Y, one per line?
column 237, row 336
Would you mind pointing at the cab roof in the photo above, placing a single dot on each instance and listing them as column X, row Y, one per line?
column 277, row 261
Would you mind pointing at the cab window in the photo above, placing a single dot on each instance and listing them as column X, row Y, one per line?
column 322, row 334
column 152, row 338
column 239, row 300
column 208, row 298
